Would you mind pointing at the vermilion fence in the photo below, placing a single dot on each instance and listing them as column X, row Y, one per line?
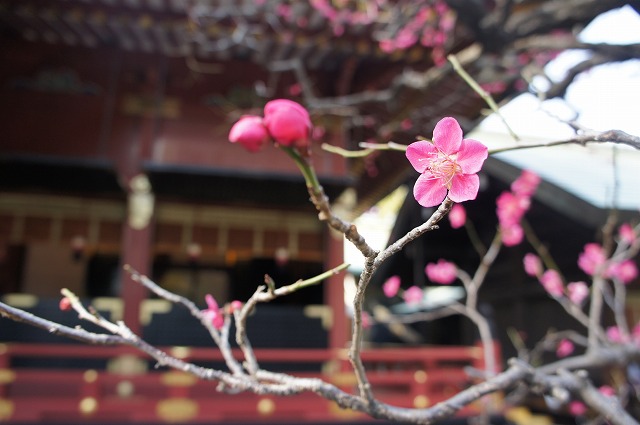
column 48, row 383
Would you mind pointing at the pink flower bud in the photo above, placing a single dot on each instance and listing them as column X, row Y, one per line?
column 578, row 292
column 213, row 312
column 532, row 265
column 511, row 234
column 565, row 348
column 614, row 334
column 625, row 271
column 442, row 272
column 511, row 208
column 627, row 234
column 391, row 286
column 457, row 216
column 288, row 122
column 526, row 184
column 236, row 305
column 607, row 391
column 577, row 408
column 367, row 322
column 552, row 283
column 65, row 304
column 592, row 258
column 250, row 132
column 413, row 295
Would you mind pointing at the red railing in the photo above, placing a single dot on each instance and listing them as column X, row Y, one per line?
column 124, row 386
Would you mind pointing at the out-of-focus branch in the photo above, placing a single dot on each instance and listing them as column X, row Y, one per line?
column 609, row 136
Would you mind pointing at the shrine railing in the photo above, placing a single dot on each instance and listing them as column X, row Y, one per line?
column 89, row 384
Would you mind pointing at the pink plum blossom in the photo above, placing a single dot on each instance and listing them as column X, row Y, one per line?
column 511, row 207
column 532, row 265
column 288, row 122
column 250, row 132
column 552, row 283
column 577, row 408
column 627, row 234
column 442, row 272
column 391, row 286
column 565, row 348
column 614, row 334
column 65, row 304
column 607, row 391
column 449, row 164
column 526, row 184
column 213, row 312
column 511, row 234
column 413, row 295
column 367, row 321
column 625, row 271
column 578, row 292
column 457, row 216
column 592, row 258
column 235, row 305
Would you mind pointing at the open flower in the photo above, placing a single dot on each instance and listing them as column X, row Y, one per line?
column 250, row 132
column 288, row 122
column 449, row 164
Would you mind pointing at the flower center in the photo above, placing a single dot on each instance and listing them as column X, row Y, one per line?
column 443, row 167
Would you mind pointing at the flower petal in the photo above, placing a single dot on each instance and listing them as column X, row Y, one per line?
column 429, row 191
column 464, row 187
column 447, row 135
column 471, row 156
column 419, row 154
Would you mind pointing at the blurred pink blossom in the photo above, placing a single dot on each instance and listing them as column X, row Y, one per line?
column 443, row 272
column 627, row 234
column 578, row 292
column 552, row 283
column 577, row 408
column 449, row 164
column 532, row 265
column 615, row 335
column 413, row 295
column 526, row 184
column 607, row 391
column 625, row 271
column 457, row 216
column 512, row 234
column 511, row 207
column 391, row 286
column 565, row 348
column 592, row 258
column 213, row 312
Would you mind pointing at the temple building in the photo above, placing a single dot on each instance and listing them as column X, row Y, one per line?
column 114, row 151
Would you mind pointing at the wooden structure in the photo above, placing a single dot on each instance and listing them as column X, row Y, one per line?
column 410, row 378
column 114, row 150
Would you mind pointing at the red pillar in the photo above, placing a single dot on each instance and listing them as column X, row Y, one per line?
column 136, row 247
column 334, row 291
